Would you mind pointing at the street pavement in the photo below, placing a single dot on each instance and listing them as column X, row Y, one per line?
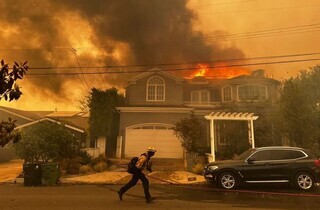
column 96, row 197
column 172, row 189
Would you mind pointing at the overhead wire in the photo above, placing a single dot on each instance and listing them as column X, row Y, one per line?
column 207, row 38
column 263, row 9
column 74, row 51
column 178, row 63
column 173, row 69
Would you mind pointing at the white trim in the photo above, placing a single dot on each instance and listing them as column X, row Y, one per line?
column 51, row 120
column 150, row 124
column 18, row 115
column 155, row 109
column 228, row 116
column 231, row 116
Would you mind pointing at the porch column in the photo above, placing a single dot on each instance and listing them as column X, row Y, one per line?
column 252, row 134
column 212, row 134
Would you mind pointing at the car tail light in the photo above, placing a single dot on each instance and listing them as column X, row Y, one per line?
column 317, row 163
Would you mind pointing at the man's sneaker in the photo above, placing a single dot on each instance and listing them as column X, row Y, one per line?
column 120, row 195
column 149, row 200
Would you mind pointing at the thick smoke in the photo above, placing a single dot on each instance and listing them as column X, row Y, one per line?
column 157, row 31
column 142, row 31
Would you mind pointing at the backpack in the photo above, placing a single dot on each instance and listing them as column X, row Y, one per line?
column 132, row 165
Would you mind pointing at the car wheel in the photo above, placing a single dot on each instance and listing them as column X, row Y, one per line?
column 227, row 180
column 304, row 181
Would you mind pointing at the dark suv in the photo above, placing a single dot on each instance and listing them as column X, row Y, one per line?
column 266, row 165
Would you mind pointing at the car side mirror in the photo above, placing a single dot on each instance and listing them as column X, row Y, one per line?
column 251, row 160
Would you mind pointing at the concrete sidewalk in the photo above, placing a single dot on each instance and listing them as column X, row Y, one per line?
column 10, row 171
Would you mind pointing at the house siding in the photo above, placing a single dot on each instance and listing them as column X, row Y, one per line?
column 136, row 93
column 178, row 94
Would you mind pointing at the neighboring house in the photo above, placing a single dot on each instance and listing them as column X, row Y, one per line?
column 156, row 100
column 75, row 121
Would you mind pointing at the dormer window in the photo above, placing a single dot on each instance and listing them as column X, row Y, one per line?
column 155, row 89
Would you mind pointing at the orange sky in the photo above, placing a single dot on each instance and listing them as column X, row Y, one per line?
column 257, row 28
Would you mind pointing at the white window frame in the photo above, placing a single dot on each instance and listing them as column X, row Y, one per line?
column 199, row 95
column 156, row 91
column 257, row 85
column 223, row 91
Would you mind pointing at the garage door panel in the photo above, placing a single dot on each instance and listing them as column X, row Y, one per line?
column 165, row 142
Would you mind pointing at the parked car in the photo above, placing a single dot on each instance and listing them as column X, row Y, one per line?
column 266, row 165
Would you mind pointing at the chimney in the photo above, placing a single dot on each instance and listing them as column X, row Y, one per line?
column 259, row 73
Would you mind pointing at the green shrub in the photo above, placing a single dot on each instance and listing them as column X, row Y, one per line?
column 46, row 141
column 197, row 168
column 99, row 167
column 85, row 169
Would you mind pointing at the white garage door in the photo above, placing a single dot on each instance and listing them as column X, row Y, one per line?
column 162, row 137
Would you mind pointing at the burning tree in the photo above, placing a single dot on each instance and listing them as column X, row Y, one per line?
column 9, row 90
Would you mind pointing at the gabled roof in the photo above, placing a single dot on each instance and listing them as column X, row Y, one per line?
column 158, row 71
column 27, row 115
column 257, row 75
column 75, row 120
column 51, row 120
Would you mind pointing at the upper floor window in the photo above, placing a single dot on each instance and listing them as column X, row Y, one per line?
column 226, row 93
column 252, row 92
column 155, row 89
column 200, row 96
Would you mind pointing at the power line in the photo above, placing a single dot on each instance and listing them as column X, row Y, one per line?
column 265, row 9
column 219, row 4
column 177, row 64
column 236, row 36
column 173, row 69
column 74, row 51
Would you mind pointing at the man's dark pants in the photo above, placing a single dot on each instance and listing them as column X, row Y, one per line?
column 135, row 178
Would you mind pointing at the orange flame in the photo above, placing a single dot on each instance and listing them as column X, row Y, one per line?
column 219, row 71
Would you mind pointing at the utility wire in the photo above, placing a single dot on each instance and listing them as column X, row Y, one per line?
column 263, row 9
column 173, row 69
column 256, row 34
column 177, row 64
column 74, row 51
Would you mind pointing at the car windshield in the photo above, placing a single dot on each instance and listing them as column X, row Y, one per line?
column 244, row 155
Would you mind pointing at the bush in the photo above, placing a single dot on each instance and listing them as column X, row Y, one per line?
column 85, row 169
column 189, row 131
column 46, row 141
column 86, row 158
column 99, row 167
column 100, row 158
column 64, row 163
column 73, row 166
column 197, row 169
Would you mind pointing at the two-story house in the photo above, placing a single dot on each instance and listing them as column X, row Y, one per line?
column 156, row 100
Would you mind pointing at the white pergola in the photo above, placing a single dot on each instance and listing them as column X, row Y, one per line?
column 230, row 116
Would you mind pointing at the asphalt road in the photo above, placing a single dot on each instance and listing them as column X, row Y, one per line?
column 16, row 196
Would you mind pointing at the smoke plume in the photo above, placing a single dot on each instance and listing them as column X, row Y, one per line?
column 100, row 33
